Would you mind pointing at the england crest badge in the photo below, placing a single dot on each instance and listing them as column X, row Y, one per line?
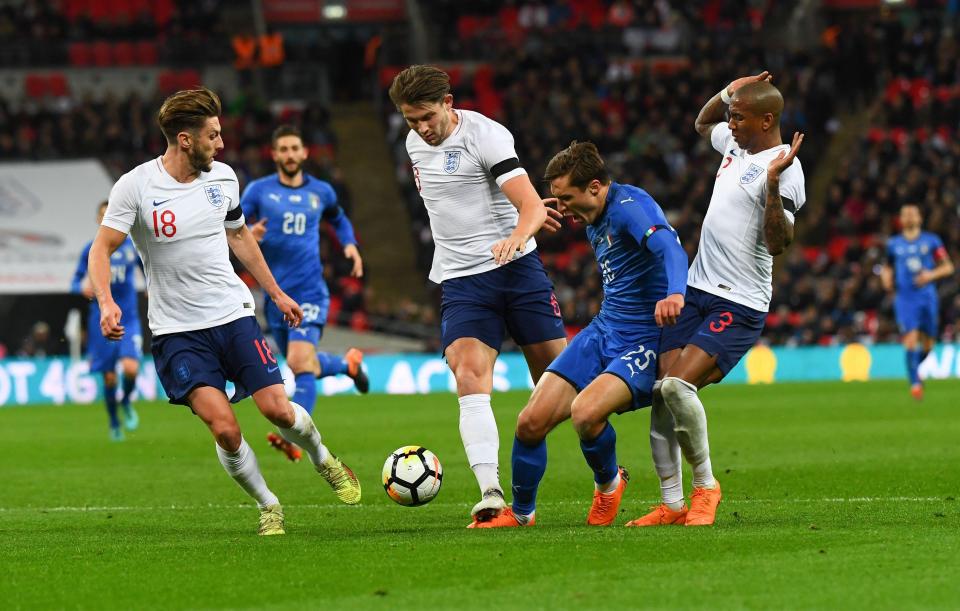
column 214, row 195
column 751, row 174
column 451, row 161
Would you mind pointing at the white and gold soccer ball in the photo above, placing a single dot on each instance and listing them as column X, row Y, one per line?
column 412, row 476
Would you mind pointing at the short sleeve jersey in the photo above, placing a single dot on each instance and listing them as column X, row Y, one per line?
column 179, row 231
column 634, row 278
column 459, row 181
column 733, row 261
column 910, row 257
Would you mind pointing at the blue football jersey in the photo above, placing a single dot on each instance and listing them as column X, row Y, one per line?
column 291, row 245
column 123, row 264
column 908, row 258
column 634, row 278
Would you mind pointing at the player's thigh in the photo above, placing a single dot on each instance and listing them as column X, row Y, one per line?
column 129, row 366
column 549, row 405
column 696, row 366
column 666, row 360
column 188, row 360
column 279, row 328
column 212, row 407
column 273, row 403
column 540, row 355
column 471, row 307
column 302, row 349
column 606, row 395
column 102, row 352
column 471, row 361
column 674, row 337
column 248, row 360
column 531, row 310
column 727, row 332
column 911, row 339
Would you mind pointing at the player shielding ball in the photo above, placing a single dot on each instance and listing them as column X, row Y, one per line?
column 759, row 188
column 285, row 209
column 611, row 365
column 916, row 260
column 183, row 212
column 104, row 354
column 483, row 213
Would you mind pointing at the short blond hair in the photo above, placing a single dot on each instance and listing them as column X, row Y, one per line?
column 187, row 110
column 420, row 85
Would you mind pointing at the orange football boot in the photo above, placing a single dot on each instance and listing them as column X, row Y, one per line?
column 916, row 391
column 506, row 519
column 603, row 511
column 661, row 515
column 354, row 359
column 279, row 443
column 703, row 506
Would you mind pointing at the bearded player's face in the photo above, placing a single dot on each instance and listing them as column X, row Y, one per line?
column 204, row 145
column 289, row 155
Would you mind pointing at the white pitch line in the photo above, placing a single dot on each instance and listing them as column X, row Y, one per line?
column 94, row 508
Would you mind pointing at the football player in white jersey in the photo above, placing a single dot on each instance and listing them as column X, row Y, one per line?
column 483, row 213
column 759, row 187
column 183, row 212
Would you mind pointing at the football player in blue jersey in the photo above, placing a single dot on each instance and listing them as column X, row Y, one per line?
column 611, row 365
column 287, row 208
column 916, row 259
column 104, row 353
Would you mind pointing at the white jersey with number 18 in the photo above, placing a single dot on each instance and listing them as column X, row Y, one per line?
column 732, row 260
column 178, row 229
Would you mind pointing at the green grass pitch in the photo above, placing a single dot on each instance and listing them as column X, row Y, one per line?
column 836, row 496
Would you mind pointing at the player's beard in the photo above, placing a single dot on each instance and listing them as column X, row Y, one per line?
column 200, row 161
column 290, row 173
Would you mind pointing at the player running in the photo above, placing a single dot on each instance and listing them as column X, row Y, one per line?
column 611, row 366
column 287, row 207
column 758, row 189
column 916, row 259
column 483, row 213
column 183, row 212
column 103, row 353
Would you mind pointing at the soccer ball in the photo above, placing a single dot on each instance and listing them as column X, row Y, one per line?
column 412, row 476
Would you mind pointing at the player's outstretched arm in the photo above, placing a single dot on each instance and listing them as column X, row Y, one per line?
column 245, row 247
column 533, row 216
column 107, row 241
column 777, row 228
column 714, row 111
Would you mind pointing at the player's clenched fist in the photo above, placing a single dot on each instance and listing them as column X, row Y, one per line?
column 668, row 310
column 110, row 321
column 289, row 308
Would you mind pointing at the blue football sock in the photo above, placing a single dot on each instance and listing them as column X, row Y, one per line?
column 913, row 366
column 601, row 455
column 110, row 398
column 529, row 464
column 128, row 385
column 331, row 364
column 306, row 390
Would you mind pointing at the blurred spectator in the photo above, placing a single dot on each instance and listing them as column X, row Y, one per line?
column 38, row 343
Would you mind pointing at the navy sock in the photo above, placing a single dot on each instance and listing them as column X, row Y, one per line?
column 924, row 355
column 110, row 398
column 913, row 366
column 331, row 364
column 601, row 455
column 306, row 390
column 529, row 464
column 129, row 383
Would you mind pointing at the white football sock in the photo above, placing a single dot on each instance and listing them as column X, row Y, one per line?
column 242, row 466
column 478, row 430
column 681, row 399
column 304, row 433
column 666, row 451
column 610, row 487
column 703, row 475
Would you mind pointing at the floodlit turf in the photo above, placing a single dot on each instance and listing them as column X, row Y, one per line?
column 836, row 496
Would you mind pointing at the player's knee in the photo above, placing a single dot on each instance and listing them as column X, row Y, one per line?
column 279, row 411
column 227, row 434
column 673, row 389
column 110, row 379
column 585, row 417
column 303, row 363
column 531, row 429
column 470, row 379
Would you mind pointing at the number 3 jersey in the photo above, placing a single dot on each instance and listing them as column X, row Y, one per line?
column 179, row 231
column 291, row 244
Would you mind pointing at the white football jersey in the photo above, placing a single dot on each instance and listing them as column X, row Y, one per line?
column 732, row 260
column 179, row 231
column 459, row 181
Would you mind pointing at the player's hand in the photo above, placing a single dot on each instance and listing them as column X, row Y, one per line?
column 258, row 229
column 745, row 80
column 923, row 278
column 668, row 310
column 554, row 219
column 290, row 309
column 86, row 288
column 110, row 321
column 351, row 252
column 504, row 250
column 782, row 161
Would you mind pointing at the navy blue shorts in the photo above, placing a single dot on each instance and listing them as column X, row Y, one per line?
column 104, row 353
column 917, row 314
column 517, row 297
column 310, row 330
column 629, row 354
column 235, row 351
column 719, row 326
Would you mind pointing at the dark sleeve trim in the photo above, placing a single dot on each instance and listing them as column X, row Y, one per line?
column 507, row 165
column 235, row 214
column 650, row 232
column 788, row 205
